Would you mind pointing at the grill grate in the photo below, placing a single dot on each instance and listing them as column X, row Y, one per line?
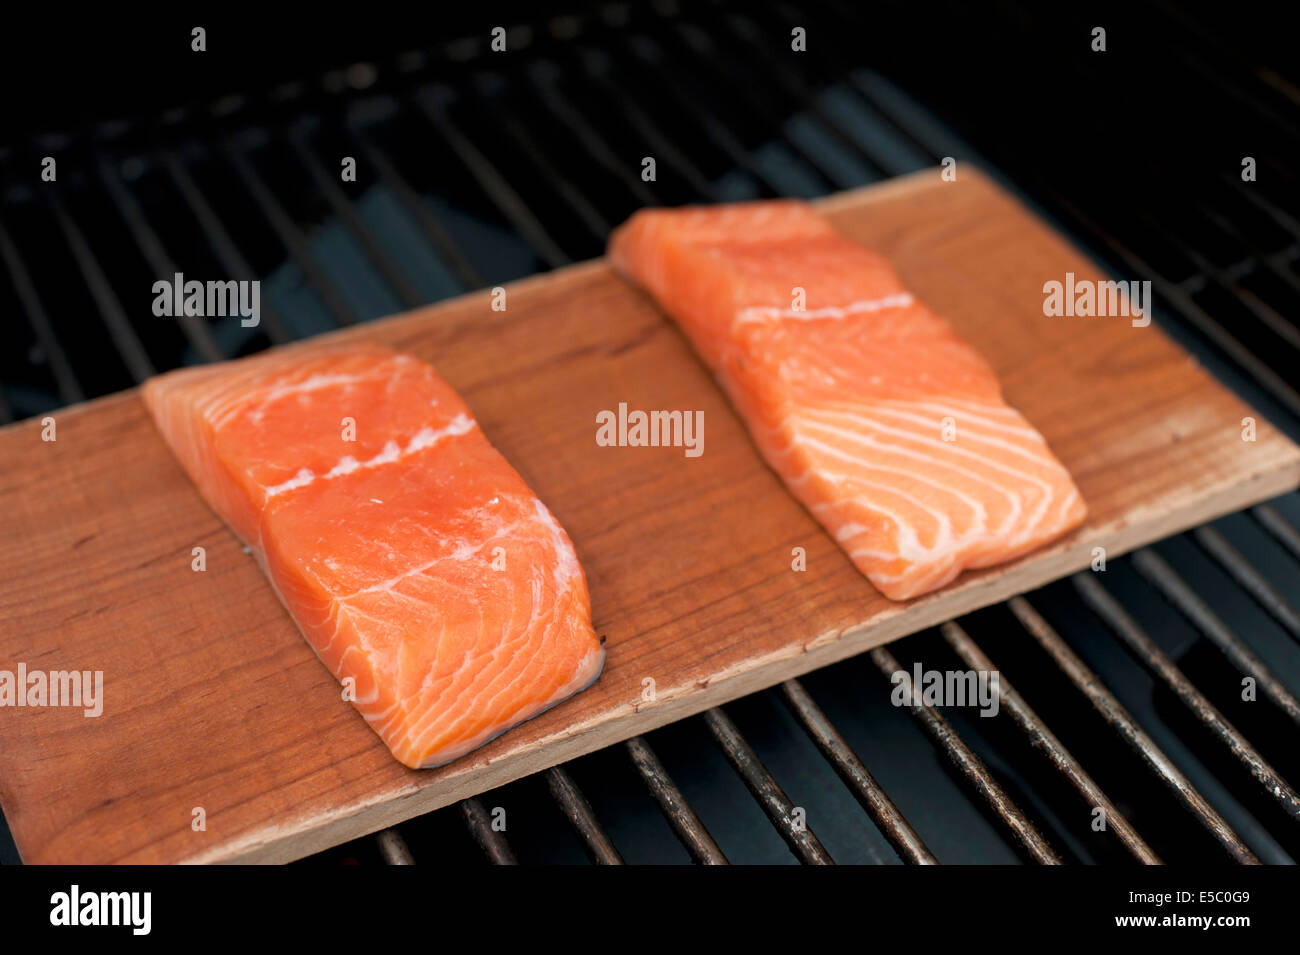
column 540, row 155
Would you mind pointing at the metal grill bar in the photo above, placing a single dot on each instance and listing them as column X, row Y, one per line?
column 1113, row 712
column 289, row 236
column 1183, row 303
column 597, row 68
column 1168, row 291
column 65, row 379
column 1279, row 216
column 1186, row 306
column 578, row 811
column 798, row 89
column 432, row 228
column 1159, row 664
column 219, row 239
column 757, row 104
column 339, row 202
column 393, row 848
column 1265, row 313
column 1260, row 309
column 970, row 766
column 1261, row 373
column 1272, row 521
column 1155, row 569
column 586, row 213
column 715, row 131
column 1265, row 594
column 685, row 823
column 196, row 331
column 864, row 787
column 432, row 104
column 745, row 28
column 492, row 843
column 766, row 790
column 1043, row 739
column 119, row 326
column 830, row 47
column 1228, row 281
column 548, row 91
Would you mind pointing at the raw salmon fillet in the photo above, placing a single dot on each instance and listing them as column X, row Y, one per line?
column 413, row 558
column 891, row 430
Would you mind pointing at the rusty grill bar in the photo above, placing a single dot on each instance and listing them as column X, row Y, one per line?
column 615, row 50
column 1043, row 739
column 866, row 790
column 970, row 765
column 686, row 824
column 783, row 813
column 1114, row 713
column 1156, row 660
column 575, row 806
column 489, row 839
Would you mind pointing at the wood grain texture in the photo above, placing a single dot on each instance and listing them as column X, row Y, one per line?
column 213, row 700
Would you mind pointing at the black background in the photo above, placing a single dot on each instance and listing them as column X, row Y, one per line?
column 1020, row 61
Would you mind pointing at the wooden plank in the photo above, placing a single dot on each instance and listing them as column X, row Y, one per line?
column 213, row 701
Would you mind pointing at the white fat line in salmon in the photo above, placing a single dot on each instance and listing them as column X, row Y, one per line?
column 761, row 313
column 651, row 429
column 74, row 907
column 1085, row 298
column 84, row 688
column 424, row 438
column 946, row 688
column 212, row 299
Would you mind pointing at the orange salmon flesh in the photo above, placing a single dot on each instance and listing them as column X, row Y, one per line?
column 413, row 558
column 891, row 430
